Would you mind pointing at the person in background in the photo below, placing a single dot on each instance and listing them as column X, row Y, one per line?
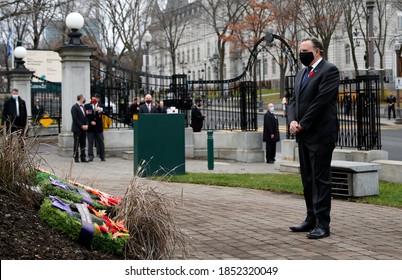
column 162, row 109
column 94, row 112
column 147, row 107
column 134, row 109
column 37, row 111
column 312, row 115
column 391, row 100
column 197, row 118
column 79, row 128
column 14, row 115
column 270, row 134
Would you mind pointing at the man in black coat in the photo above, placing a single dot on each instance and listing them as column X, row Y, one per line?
column 391, row 100
column 14, row 114
column 270, row 134
column 79, row 128
column 312, row 115
column 37, row 111
column 148, row 107
column 94, row 112
column 197, row 118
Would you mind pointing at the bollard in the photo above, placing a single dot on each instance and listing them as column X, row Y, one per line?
column 210, row 141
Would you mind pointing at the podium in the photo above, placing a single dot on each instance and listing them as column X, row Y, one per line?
column 159, row 145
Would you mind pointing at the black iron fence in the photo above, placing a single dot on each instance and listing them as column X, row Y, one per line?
column 227, row 105
column 358, row 112
column 46, row 102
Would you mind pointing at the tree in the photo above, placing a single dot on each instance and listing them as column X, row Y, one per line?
column 173, row 22
column 319, row 18
column 352, row 12
column 220, row 15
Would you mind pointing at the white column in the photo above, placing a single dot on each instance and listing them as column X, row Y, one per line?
column 76, row 80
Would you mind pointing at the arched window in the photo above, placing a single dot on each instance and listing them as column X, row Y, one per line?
column 347, row 54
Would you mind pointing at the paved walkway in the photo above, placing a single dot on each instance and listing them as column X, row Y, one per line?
column 235, row 223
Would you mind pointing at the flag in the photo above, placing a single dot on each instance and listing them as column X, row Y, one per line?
column 9, row 43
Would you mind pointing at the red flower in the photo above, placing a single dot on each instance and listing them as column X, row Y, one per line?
column 311, row 74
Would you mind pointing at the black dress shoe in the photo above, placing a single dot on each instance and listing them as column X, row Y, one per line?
column 318, row 233
column 103, row 159
column 304, row 227
column 84, row 160
column 76, row 160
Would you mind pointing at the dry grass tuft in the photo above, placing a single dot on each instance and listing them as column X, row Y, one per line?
column 147, row 215
column 16, row 165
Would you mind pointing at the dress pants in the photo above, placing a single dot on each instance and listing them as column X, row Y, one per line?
column 80, row 139
column 100, row 145
column 270, row 150
column 315, row 168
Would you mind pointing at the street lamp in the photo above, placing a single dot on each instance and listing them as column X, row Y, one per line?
column 19, row 54
column 261, row 59
column 397, row 48
column 147, row 40
column 74, row 22
column 370, row 56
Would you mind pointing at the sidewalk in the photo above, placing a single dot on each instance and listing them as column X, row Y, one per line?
column 236, row 223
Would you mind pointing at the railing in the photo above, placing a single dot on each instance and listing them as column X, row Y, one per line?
column 358, row 113
column 228, row 105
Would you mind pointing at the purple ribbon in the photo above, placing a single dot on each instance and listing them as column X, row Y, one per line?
column 58, row 203
column 59, row 184
column 86, row 197
column 87, row 227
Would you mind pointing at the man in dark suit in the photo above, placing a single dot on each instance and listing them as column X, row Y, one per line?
column 79, row 128
column 37, row 111
column 270, row 134
column 14, row 115
column 197, row 118
column 312, row 115
column 94, row 112
column 147, row 107
column 391, row 100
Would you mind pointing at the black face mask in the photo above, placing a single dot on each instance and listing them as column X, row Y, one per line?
column 306, row 58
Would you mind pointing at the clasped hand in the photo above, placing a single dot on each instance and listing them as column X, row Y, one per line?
column 295, row 127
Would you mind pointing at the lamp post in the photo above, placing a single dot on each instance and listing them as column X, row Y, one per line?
column 397, row 48
column 75, row 22
column 19, row 54
column 205, row 68
column 147, row 40
column 370, row 55
column 261, row 59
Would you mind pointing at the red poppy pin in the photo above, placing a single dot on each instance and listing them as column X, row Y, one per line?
column 311, row 74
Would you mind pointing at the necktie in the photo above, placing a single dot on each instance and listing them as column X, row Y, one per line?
column 17, row 107
column 308, row 69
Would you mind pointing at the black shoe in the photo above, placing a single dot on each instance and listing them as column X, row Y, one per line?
column 303, row 227
column 318, row 233
column 271, row 162
column 76, row 160
column 84, row 160
column 103, row 159
column 91, row 159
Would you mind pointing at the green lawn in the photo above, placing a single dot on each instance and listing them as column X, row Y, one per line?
column 390, row 193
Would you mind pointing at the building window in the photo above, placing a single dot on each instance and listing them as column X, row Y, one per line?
column 188, row 56
column 208, row 50
column 198, row 54
column 192, row 55
column 399, row 22
column 347, row 54
column 273, row 62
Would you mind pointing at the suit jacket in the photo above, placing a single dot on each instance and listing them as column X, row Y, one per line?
column 314, row 104
column 92, row 115
column 9, row 113
column 271, row 126
column 144, row 109
column 79, row 119
column 197, row 119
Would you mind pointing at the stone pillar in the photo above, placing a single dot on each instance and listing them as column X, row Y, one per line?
column 21, row 80
column 76, row 79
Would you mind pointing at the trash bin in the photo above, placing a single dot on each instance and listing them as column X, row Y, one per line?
column 159, row 144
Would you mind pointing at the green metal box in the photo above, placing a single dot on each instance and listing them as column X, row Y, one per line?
column 159, row 147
